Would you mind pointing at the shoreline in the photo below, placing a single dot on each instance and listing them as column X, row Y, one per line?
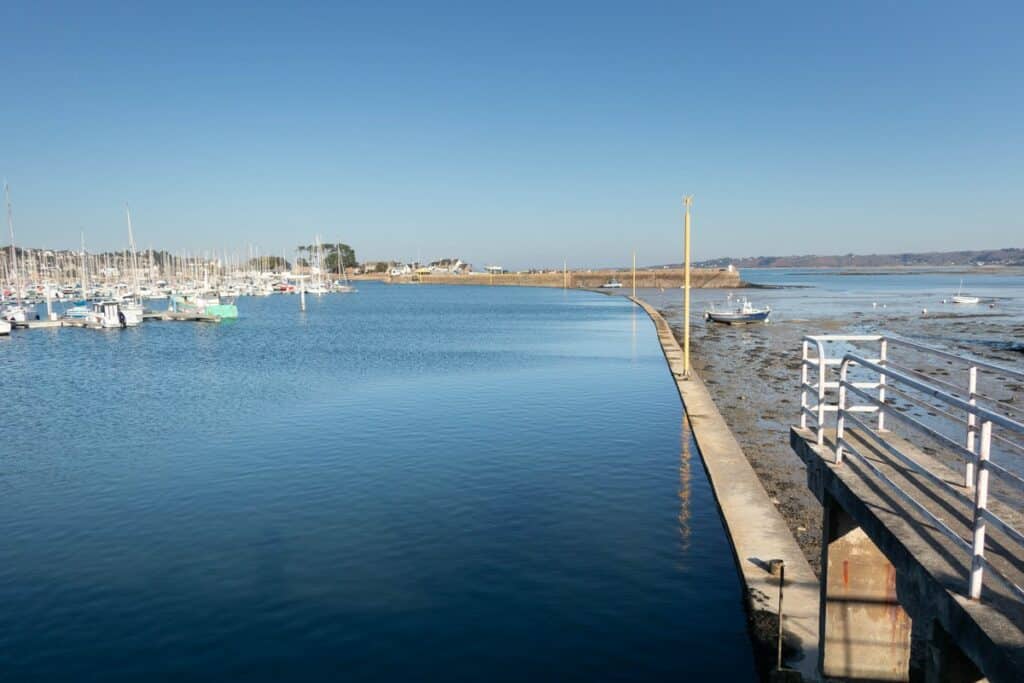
column 659, row 278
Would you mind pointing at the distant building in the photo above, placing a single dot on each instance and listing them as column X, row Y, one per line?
column 450, row 265
column 494, row 270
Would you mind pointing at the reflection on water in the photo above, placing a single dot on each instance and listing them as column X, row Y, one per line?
column 686, row 437
column 632, row 336
column 406, row 483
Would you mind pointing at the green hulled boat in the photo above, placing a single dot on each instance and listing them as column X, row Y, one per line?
column 206, row 304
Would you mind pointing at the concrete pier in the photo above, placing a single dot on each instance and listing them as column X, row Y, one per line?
column 756, row 529
column 36, row 324
column 892, row 574
column 667, row 278
column 151, row 316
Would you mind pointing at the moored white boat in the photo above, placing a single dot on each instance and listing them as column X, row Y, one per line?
column 133, row 311
column 5, row 327
column 107, row 314
column 80, row 311
column 738, row 312
column 961, row 298
column 205, row 304
column 16, row 313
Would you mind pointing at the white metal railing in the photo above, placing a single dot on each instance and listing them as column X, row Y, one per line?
column 980, row 417
column 973, row 370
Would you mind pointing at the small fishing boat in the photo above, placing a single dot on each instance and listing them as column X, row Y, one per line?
column 612, row 284
column 205, row 304
column 737, row 312
column 80, row 310
column 107, row 314
column 16, row 313
column 133, row 312
column 961, row 298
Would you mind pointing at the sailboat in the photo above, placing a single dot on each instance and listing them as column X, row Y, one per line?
column 318, row 287
column 960, row 298
column 15, row 312
column 132, row 305
column 343, row 285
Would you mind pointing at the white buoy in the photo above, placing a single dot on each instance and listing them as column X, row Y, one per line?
column 924, row 311
column 874, row 304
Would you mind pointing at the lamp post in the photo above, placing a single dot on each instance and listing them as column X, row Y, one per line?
column 687, row 201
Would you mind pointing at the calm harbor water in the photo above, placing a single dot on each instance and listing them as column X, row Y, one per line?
column 405, row 483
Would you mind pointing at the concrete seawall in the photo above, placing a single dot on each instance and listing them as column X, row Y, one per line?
column 755, row 527
column 705, row 278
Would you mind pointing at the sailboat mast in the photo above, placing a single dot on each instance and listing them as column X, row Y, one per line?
column 131, row 243
column 14, row 253
column 85, row 296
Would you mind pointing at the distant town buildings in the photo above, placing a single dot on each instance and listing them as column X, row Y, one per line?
column 447, row 266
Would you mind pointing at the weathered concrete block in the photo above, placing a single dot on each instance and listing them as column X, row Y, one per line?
column 865, row 631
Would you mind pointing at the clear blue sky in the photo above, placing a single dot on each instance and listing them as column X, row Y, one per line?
column 517, row 133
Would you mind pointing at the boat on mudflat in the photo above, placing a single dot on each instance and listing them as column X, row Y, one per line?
column 738, row 312
column 961, row 298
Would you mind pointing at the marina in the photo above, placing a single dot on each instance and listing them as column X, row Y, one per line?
column 515, row 343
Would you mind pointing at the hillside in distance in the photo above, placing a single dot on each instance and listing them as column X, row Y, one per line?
column 986, row 257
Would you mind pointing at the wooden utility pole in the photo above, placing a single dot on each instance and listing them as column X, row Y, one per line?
column 687, row 201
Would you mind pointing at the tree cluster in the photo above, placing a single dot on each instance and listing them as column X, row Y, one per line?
column 330, row 252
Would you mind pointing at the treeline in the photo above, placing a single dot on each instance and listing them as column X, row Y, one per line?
column 330, row 255
column 990, row 257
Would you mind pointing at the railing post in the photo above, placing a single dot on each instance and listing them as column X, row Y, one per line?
column 841, row 412
column 972, row 423
column 980, row 506
column 882, row 357
column 822, row 376
column 803, row 386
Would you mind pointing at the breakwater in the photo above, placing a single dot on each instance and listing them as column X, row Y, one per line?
column 657, row 278
column 755, row 527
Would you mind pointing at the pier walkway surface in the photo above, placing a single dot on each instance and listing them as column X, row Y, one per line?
column 916, row 459
column 756, row 529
